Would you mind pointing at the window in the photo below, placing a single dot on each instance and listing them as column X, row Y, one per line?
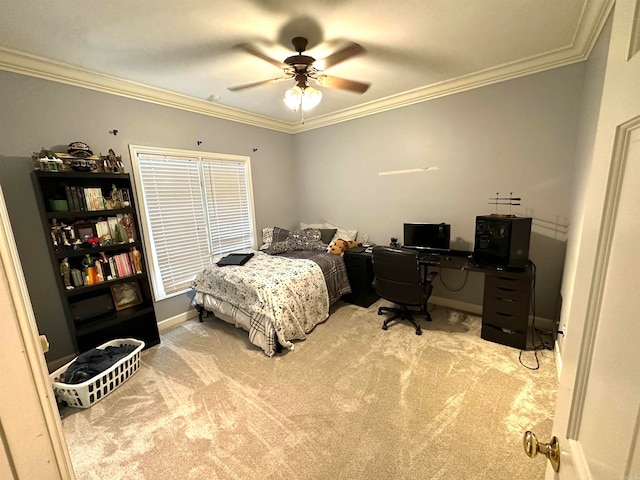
column 193, row 206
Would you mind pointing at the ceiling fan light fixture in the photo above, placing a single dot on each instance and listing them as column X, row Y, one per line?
column 293, row 98
column 306, row 98
column 310, row 98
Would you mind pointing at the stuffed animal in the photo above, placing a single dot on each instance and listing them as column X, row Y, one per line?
column 340, row 246
column 352, row 243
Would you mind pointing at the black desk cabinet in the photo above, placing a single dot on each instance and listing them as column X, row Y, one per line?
column 360, row 272
column 505, row 308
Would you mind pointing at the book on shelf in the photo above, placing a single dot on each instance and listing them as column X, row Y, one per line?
column 93, row 198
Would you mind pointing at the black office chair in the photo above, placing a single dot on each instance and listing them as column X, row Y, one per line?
column 400, row 279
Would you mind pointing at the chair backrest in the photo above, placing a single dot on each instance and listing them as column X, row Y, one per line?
column 397, row 275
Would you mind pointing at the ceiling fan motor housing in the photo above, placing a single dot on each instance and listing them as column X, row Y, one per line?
column 299, row 44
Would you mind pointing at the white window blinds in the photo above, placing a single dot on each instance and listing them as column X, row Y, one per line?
column 193, row 208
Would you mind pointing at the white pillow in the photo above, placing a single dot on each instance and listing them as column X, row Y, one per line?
column 267, row 237
column 343, row 233
column 304, row 226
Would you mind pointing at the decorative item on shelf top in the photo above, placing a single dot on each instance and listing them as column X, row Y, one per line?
column 112, row 163
column 79, row 149
column 394, row 242
column 49, row 161
column 83, row 164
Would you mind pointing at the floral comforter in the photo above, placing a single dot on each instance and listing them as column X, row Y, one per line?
column 270, row 293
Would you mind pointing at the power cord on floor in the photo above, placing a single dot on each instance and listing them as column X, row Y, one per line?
column 535, row 332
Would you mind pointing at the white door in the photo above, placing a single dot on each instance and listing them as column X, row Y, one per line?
column 597, row 418
column 33, row 445
column 598, row 431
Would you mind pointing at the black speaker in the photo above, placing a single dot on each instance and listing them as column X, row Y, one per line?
column 91, row 307
column 502, row 240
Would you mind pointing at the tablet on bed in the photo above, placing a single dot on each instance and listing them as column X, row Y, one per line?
column 234, row 259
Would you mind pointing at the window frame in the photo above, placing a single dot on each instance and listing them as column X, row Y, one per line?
column 155, row 274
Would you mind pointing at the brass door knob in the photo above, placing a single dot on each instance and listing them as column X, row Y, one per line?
column 550, row 450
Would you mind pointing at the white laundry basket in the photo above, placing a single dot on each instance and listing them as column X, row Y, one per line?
column 85, row 394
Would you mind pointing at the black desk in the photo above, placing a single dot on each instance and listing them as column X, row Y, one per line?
column 506, row 301
column 505, row 305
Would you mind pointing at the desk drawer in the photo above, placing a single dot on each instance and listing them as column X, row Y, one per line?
column 505, row 307
column 506, row 337
column 519, row 323
column 516, row 289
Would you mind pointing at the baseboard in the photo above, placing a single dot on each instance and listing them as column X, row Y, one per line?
column 162, row 325
column 543, row 324
column 558, row 360
column 456, row 304
column 173, row 321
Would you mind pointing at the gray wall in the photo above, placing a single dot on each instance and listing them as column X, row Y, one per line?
column 38, row 113
column 591, row 104
column 517, row 136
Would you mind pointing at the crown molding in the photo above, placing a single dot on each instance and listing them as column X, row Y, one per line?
column 591, row 23
column 32, row 65
column 449, row 87
column 593, row 17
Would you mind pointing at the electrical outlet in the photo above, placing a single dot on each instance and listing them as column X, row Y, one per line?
column 563, row 330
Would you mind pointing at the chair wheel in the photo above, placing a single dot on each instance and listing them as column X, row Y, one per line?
column 418, row 332
column 384, row 326
column 380, row 312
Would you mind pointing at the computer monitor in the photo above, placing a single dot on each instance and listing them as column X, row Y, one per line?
column 427, row 236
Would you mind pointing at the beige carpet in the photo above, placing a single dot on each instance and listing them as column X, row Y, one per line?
column 351, row 402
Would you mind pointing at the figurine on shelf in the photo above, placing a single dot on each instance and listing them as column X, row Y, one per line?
column 136, row 259
column 69, row 234
column 116, row 199
column 117, row 234
column 105, row 266
column 89, row 270
column 87, row 261
column 99, row 271
column 127, row 225
column 65, row 272
column 56, row 233
column 124, row 196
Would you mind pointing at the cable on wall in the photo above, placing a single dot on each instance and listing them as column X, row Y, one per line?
column 451, row 289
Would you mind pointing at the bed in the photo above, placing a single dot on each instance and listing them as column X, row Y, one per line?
column 276, row 297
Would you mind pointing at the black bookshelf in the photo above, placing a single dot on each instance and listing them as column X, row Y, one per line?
column 95, row 247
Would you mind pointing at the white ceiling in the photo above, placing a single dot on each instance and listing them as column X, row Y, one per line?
column 180, row 53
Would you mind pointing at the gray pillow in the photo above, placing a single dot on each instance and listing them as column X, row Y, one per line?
column 308, row 239
column 279, row 234
column 277, row 247
column 326, row 234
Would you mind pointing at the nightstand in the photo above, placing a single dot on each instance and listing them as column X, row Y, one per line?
column 360, row 271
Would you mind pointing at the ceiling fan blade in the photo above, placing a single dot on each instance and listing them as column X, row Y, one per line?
column 258, row 53
column 341, row 55
column 342, row 83
column 257, row 84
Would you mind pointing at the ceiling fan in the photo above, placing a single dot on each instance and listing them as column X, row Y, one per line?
column 302, row 68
